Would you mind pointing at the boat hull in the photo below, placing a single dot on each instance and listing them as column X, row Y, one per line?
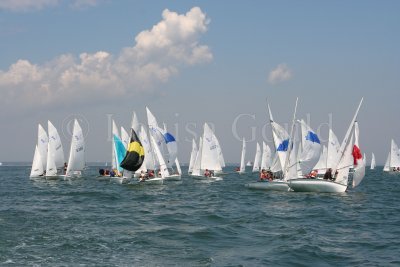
column 152, row 181
column 120, row 180
column 316, row 185
column 174, row 177
column 205, row 178
column 272, row 186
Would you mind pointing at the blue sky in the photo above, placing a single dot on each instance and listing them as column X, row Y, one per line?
column 197, row 61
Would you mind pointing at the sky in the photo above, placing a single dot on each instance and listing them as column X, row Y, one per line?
column 192, row 62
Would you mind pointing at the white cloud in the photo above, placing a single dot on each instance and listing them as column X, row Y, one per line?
column 26, row 5
column 279, row 74
column 158, row 54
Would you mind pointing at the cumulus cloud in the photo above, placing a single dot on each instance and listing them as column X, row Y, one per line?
column 26, row 5
column 157, row 55
column 280, row 74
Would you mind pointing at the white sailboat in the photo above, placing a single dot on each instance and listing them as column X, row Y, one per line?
column 207, row 159
column 266, row 157
column 392, row 163
column 193, row 155
column 373, row 161
column 166, row 145
column 242, row 168
column 341, row 170
column 257, row 159
column 76, row 161
column 37, row 165
column 39, row 162
column 283, row 143
column 55, row 154
column 117, row 173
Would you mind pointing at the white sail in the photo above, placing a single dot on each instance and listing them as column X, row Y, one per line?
column 373, row 161
column 125, row 138
column 257, row 159
column 293, row 166
column 219, row 150
column 113, row 155
column 266, row 157
column 51, row 167
column 42, row 144
column 178, row 166
column 281, row 139
column 276, row 164
column 311, row 148
column 149, row 161
column 321, row 164
column 333, row 150
column 193, row 155
column 209, row 157
column 58, row 151
column 135, row 123
column 37, row 166
column 394, row 156
column 344, row 164
column 76, row 162
column 359, row 163
column 298, row 165
column 386, row 167
column 242, row 158
column 163, row 167
column 197, row 162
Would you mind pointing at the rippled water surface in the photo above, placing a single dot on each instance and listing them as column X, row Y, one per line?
column 191, row 223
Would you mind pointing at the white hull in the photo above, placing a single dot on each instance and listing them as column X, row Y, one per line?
column 152, row 181
column 173, row 177
column 316, row 185
column 120, row 180
column 271, row 186
column 212, row 178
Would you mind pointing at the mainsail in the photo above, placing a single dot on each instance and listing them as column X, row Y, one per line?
column 76, row 160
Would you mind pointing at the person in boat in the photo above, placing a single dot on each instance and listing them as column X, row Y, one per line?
column 263, row 175
column 313, row 174
column 101, row 172
column 112, row 173
column 159, row 173
column 237, row 169
column 151, row 174
column 65, row 167
column 328, row 174
column 207, row 173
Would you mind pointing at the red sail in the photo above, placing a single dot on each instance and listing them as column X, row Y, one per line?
column 356, row 154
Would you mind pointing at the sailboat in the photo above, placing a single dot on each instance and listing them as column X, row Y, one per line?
column 242, row 168
column 392, row 164
column 283, row 143
column 207, row 159
column 193, row 155
column 343, row 163
column 76, row 161
column 373, row 161
column 39, row 162
column 55, row 154
column 257, row 159
column 135, row 154
column 166, row 150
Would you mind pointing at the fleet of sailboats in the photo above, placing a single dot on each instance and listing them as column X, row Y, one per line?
column 148, row 154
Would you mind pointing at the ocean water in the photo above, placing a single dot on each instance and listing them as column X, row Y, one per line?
column 87, row 222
